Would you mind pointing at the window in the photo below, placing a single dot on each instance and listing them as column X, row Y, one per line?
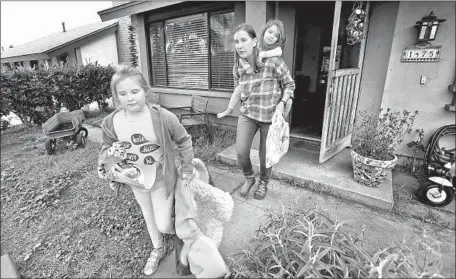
column 180, row 55
column 63, row 58
column 34, row 64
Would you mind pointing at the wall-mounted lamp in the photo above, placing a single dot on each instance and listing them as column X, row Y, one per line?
column 427, row 27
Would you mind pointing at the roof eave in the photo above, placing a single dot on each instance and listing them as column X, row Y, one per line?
column 26, row 57
column 112, row 26
column 133, row 7
column 50, row 52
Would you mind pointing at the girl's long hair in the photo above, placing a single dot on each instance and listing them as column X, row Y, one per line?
column 252, row 34
column 282, row 36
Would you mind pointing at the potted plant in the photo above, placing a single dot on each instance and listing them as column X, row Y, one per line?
column 374, row 143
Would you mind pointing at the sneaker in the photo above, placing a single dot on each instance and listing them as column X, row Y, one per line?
column 248, row 183
column 154, row 259
column 261, row 191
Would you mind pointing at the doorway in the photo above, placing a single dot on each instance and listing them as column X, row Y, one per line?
column 314, row 23
column 319, row 54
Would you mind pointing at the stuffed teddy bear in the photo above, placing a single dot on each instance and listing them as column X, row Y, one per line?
column 201, row 212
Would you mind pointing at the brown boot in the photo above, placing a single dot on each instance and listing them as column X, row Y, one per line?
column 248, row 183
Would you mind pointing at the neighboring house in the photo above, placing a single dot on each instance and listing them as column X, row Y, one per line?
column 186, row 48
column 93, row 42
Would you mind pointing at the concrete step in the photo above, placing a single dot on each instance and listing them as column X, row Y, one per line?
column 335, row 176
column 313, row 145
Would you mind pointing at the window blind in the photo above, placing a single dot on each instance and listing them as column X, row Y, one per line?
column 187, row 52
column 222, row 50
column 157, row 50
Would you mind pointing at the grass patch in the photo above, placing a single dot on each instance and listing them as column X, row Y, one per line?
column 307, row 244
column 60, row 220
column 95, row 117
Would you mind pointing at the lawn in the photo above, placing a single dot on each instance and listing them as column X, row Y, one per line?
column 59, row 219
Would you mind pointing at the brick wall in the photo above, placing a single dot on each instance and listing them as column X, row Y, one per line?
column 123, row 46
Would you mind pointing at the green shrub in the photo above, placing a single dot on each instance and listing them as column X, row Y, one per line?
column 34, row 95
column 4, row 124
column 378, row 137
column 298, row 244
column 23, row 92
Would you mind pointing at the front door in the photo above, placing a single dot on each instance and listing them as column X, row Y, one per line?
column 343, row 82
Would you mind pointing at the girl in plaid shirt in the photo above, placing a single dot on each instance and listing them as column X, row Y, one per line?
column 266, row 89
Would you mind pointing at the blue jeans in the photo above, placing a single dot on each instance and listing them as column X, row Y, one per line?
column 246, row 130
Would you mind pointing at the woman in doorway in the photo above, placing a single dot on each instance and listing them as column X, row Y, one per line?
column 266, row 89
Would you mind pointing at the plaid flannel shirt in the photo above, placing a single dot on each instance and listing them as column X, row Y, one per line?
column 262, row 91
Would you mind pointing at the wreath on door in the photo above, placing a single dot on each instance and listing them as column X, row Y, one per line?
column 355, row 27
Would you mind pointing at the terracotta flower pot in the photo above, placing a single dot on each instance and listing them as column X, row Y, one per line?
column 370, row 172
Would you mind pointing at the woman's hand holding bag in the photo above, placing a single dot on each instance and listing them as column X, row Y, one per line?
column 278, row 139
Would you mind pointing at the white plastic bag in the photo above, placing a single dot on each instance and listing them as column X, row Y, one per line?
column 277, row 140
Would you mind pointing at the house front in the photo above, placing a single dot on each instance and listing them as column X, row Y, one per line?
column 345, row 56
column 89, row 43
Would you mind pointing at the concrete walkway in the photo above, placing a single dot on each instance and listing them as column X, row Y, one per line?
column 380, row 227
column 334, row 176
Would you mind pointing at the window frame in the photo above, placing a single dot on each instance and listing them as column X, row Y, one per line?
column 208, row 13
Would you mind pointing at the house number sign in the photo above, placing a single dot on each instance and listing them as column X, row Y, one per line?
column 418, row 54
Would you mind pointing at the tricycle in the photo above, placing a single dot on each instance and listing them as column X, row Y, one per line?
column 65, row 126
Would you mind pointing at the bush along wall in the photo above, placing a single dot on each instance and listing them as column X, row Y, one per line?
column 34, row 95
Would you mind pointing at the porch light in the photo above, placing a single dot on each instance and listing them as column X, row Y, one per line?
column 427, row 27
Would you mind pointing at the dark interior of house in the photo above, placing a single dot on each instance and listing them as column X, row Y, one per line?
column 314, row 24
column 314, row 21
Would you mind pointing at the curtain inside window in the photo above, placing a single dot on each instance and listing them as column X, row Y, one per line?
column 187, row 52
column 222, row 50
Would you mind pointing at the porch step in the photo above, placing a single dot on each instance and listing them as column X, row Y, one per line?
column 311, row 145
column 335, row 176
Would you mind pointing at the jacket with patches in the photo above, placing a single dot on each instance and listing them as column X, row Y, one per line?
column 169, row 132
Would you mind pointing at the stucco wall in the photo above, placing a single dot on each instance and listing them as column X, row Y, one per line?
column 103, row 50
column 287, row 14
column 402, row 87
column 376, row 57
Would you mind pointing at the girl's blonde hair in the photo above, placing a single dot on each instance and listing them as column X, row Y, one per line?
column 282, row 36
column 124, row 71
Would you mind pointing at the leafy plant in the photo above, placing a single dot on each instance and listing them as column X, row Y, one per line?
column 4, row 123
column 299, row 244
column 23, row 92
column 34, row 95
column 133, row 48
column 379, row 137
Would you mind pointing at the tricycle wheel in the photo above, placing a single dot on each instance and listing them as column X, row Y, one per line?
column 430, row 194
column 84, row 132
column 50, row 146
column 80, row 139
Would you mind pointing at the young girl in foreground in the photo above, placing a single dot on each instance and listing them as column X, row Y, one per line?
column 271, row 43
column 138, row 150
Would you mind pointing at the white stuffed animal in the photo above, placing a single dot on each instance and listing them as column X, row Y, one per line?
column 201, row 211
